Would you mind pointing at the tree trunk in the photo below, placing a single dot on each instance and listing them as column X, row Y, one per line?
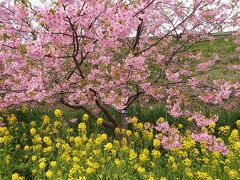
column 123, row 121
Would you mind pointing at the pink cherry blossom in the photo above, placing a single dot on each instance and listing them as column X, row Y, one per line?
column 202, row 121
column 67, row 1
column 211, row 141
column 173, row 140
column 162, row 126
column 148, row 125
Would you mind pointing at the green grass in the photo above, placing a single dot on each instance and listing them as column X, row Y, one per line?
column 218, row 45
column 144, row 113
column 226, row 50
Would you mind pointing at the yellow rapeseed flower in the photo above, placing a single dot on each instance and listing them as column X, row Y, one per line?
column 146, row 151
column 33, row 123
column 48, row 149
column 58, row 113
column 236, row 146
column 69, row 130
column 11, row 118
column 84, row 178
column 108, row 146
column 174, row 167
column 143, row 157
column 103, row 136
column 47, row 140
column 156, row 143
column 238, row 123
column 33, row 131
column 189, row 119
column 45, row 119
column 82, row 127
column 96, row 151
column 195, row 152
column 180, row 126
column 133, row 154
column 7, row 159
column 117, row 130
column 171, row 159
column 99, row 121
column 57, row 124
column 156, row 154
column 17, row 146
column 85, row 117
column 212, row 125
column 118, row 162
column 16, row 176
column 42, row 165
column 78, row 140
column 232, row 174
column 37, row 139
column 234, row 136
column 219, row 140
column 140, row 126
column 26, row 148
column 187, row 162
column 128, row 133
column 136, row 134
column 161, row 119
column 34, row 171
column 216, row 154
column 188, row 172
column 89, row 170
column 224, row 129
column 49, row 174
column 140, row 169
column 53, row 163
column 188, row 143
column 134, row 120
column 201, row 175
column 34, row 158
column 24, row 109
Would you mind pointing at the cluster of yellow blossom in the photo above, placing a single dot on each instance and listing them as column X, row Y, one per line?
column 51, row 150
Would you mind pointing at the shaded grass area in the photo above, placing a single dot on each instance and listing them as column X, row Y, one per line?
column 144, row 114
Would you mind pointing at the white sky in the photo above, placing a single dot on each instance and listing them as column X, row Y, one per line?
column 39, row 3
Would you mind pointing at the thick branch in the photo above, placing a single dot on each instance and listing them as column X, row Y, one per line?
column 106, row 112
column 75, row 46
column 133, row 98
column 139, row 30
column 104, row 109
column 85, row 109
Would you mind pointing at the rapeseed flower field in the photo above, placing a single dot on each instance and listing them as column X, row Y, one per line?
column 56, row 148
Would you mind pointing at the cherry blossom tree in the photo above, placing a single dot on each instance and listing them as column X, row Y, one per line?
column 100, row 54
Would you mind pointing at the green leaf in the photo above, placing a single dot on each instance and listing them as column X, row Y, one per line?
column 5, row 37
column 22, row 48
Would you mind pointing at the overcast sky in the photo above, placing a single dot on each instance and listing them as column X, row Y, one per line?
column 39, row 3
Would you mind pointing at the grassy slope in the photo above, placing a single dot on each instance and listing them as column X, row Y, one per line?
column 227, row 54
